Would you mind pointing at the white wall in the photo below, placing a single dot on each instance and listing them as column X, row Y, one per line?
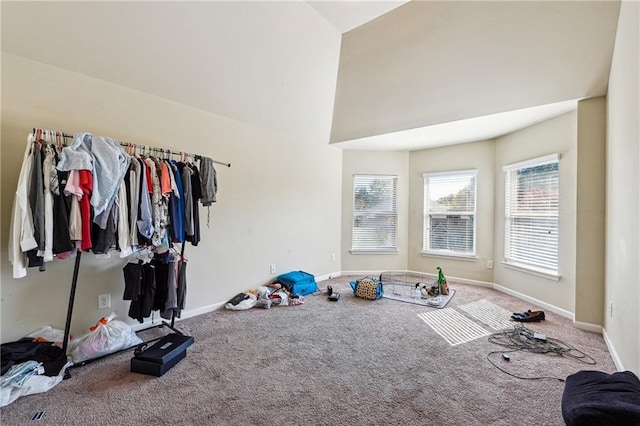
column 479, row 156
column 279, row 203
column 622, row 278
column 269, row 63
column 558, row 135
column 590, row 212
column 375, row 162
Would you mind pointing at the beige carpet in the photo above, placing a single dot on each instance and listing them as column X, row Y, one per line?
column 351, row 362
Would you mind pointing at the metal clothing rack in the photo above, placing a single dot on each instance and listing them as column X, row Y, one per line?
column 39, row 133
column 60, row 136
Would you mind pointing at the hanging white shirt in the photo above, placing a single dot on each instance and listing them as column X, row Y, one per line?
column 21, row 232
column 124, row 240
column 47, row 165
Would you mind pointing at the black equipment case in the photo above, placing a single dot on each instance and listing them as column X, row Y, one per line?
column 158, row 358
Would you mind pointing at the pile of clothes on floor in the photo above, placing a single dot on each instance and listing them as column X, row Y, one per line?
column 273, row 294
column 37, row 362
column 33, row 364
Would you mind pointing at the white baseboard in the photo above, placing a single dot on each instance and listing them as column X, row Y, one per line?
column 328, row 276
column 612, row 350
column 458, row 279
column 363, row 273
column 545, row 305
column 202, row 310
column 471, row 282
column 183, row 315
column 587, row 326
column 428, row 274
column 147, row 324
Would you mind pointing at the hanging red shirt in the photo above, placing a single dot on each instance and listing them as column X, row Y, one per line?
column 86, row 184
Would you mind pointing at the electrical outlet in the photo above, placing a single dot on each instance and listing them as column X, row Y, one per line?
column 104, row 301
column 489, row 264
column 272, row 268
column 333, row 257
column 610, row 309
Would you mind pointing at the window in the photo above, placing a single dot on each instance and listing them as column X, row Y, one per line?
column 375, row 216
column 450, row 213
column 531, row 214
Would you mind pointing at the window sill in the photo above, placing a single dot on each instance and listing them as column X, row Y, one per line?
column 453, row 256
column 380, row 251
column 532, row 271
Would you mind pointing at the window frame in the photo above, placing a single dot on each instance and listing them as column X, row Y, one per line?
column 355, row 213
column 510, row 260
column 427, row 249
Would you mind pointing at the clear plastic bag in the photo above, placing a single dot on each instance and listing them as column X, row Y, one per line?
column 280, row 298
column 106, row 337
column 48, row 334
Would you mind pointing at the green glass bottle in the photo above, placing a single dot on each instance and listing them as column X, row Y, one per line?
column 443, row 287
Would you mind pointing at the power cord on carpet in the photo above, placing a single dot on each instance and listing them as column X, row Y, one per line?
column 520, row 338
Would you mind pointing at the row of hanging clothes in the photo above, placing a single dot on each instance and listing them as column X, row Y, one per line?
column 100, row 195
column 156, row 282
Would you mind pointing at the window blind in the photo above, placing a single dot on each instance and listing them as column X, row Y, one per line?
column 450, row 212
column 531, row 213
column 375, row 217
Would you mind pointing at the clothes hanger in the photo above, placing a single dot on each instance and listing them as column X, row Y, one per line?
column 177, row 253
column 39, row 138
column 49, row 137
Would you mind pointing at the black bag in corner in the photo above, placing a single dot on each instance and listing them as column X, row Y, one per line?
column 238, row 298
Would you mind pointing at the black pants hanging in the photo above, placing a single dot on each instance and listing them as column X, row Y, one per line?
column 140, row 288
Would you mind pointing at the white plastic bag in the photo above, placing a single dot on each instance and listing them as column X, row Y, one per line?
column 49, row 334
column 106, row 337
column 262, row 292
column 283, row 298
column 247, row 303
column 32, row 385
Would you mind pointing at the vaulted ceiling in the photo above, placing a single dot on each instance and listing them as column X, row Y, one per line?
column 361, row 75
column 474, row 64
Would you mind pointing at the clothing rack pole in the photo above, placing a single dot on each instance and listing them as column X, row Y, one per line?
column 74, row 281
column 134, row 145
column 220, row 162
column 72, row 296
